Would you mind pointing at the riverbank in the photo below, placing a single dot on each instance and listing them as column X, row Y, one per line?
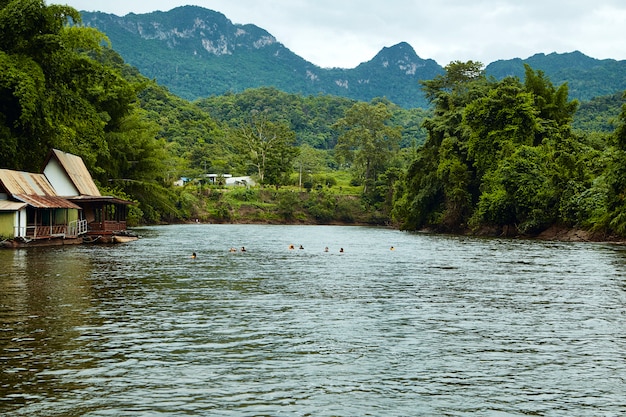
column 251, row 206
column 290, row 207
column 553, row 233
column 578, row 235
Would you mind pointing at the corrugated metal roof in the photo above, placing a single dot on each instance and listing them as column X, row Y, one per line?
column 99, row 199
column 41, row 201
column 20, row 182
column 6, row 205
column 32, row 189
column 77, row 171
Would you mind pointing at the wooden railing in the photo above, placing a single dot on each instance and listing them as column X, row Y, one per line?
column 74, row 229
column 108, row 226
column 37, row 232
column 77, row 228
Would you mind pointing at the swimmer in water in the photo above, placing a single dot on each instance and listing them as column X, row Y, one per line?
column 243, row 249
column 193, row 255
column 341, row 250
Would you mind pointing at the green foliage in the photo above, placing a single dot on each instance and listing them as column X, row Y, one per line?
column 60, row 87
column 311, row 117
column 248, row 57
column 501, row 153
column 614, row 219
column 244, row 194
column 499, row 122
column 269, row 147
column 287, row 204
column 322, row 207
column 366, row 141
column 518, row 192
column 453, row 83
column 599, row 114
column 586, row 77
column 198, row 145
column 46, row 78
column 488, row 153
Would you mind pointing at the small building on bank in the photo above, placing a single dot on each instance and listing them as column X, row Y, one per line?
column 30, row 210
column 62, row 205
column 226, row 180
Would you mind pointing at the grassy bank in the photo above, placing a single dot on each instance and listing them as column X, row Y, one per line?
column 283, row 206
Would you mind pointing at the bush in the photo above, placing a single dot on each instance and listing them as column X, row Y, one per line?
column 288, row 203
column 223, row 211
column 244, row 194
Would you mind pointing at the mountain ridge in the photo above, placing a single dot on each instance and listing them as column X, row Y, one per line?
column 197, row 52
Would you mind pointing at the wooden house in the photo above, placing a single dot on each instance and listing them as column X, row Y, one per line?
column 105, row 215
column 62, row 205
column 31, row 211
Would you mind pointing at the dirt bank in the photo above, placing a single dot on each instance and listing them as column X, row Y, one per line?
column 577, row 235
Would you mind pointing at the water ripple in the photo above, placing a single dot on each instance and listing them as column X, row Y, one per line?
column 439, row 326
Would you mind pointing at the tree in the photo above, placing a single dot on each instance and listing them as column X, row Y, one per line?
column 268, row 146
column 440, row 187
column 498, row 153
column 551, row 104
column 54, row 92
column 62, row 87
column 308, row 163
column 366, row 140
column 453, row 83
column 519, row 192
column 614, row 218
column 503, row 120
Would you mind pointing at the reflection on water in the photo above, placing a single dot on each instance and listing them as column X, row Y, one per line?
column 439, row 326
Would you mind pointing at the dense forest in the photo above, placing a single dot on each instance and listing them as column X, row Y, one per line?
column 196, row 52
column 511, row 156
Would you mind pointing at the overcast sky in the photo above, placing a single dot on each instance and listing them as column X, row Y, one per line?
column 344, row 33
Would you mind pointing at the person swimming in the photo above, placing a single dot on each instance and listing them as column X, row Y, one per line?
column 326, row 249
column 291, row 247
column 341, row 250
column 193, row 255
column 301, row 247
column 392, row 248
column 243, row 249
column 232, row 250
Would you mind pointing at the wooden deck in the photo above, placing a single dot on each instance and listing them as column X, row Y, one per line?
column 73, row 230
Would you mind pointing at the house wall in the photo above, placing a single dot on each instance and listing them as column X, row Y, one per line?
column 57, row 176
column 60, row 215
column 21, row 223
column 7, row 223
column 72, row 215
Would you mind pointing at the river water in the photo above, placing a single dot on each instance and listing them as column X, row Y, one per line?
column 440, row 326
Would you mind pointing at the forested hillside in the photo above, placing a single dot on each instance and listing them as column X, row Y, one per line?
column 197, row 52
column 586, row 77
column 515, row 155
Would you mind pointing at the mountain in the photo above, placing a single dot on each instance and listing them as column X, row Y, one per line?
column 586, row 77
column 197, row 52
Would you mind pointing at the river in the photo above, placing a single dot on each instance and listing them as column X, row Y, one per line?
column 439, row 326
